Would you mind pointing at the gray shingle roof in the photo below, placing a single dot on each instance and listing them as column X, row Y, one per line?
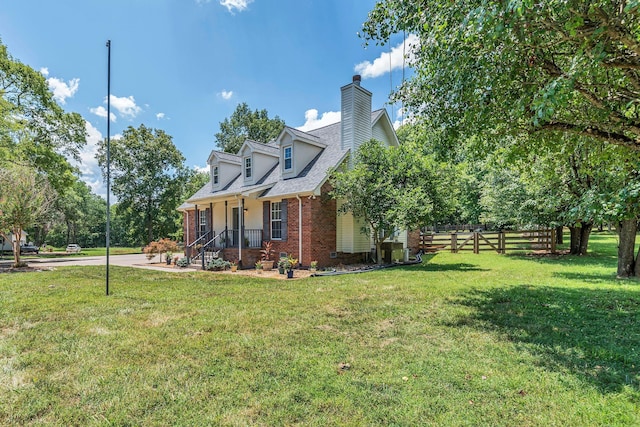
column 272, row 185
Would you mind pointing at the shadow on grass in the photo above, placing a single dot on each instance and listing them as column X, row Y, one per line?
column 609, row 278
column 591, row 333
column 429, row 265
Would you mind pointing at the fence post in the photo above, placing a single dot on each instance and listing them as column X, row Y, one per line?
column 553, row 241
column 454, row 243
column 476, row 243
column 501, row 242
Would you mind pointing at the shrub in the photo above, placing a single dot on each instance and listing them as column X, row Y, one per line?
column 182, row 262
column 218, row 264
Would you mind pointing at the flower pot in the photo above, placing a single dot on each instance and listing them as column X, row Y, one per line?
column 234, row 268
column 168, row 261
column 281, row 270
column 267, row 265
column 289, row 274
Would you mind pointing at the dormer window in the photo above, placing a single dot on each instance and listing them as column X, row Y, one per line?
column 288, row 159
column 247, row 167
column 214, row 175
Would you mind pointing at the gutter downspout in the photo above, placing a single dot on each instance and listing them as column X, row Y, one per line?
column 299, row 227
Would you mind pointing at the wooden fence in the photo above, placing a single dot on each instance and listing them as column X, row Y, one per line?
column 498, row 241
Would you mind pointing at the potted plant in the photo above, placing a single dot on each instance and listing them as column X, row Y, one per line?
column 168, row 257
column 259, row 266
column 234, row 265
column 282, row 264
column 313, row 267
column 291, row 263
column 267, row 251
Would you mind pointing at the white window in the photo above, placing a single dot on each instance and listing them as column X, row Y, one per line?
column 247, row 167
column 276, row 220
column 215, row 175
column 288, row 160
column 203, row 221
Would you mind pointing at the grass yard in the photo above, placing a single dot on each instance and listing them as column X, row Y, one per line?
column 460, row 340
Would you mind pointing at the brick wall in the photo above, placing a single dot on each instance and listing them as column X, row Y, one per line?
column 189, row 236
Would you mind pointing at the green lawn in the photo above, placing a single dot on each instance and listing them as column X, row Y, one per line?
column 89, row 252
column 462, row 339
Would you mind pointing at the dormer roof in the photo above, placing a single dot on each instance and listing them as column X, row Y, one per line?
column 258, row 147
column 221, row 156
column 298, row 135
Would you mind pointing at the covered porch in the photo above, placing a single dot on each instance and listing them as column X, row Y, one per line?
column 232, row 228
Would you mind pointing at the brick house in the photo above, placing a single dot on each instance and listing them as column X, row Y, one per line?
column 279, row 191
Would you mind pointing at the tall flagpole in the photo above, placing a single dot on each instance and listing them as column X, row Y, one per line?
column 108, row 153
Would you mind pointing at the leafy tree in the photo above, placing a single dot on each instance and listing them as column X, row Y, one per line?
column 389, row 188
column 25, row 198
column 487, row 68
column 246, row 124
column 148, row 176
column 80, row 217
column 34, row 129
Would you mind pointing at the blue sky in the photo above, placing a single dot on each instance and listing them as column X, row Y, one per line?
column 183, row 65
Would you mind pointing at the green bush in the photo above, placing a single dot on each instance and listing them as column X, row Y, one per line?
column 183, row 262
column 218, row 264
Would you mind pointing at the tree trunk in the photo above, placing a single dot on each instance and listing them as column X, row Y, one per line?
column 559, row 236
column 574, row 248
column 585, row 232
column 378, row 251
column 626, row 254
column 17, row 235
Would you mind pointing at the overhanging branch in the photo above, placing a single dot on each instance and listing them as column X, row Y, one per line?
column 592, row 132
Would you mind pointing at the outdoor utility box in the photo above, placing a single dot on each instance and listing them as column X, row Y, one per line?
column 392, row 251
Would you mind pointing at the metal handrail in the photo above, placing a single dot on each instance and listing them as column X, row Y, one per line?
column 188, row 248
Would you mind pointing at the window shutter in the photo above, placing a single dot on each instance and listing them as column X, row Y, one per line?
column 266, row 218
column 208, row 219
column 285, row 220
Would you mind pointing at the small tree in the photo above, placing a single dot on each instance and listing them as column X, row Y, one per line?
column 389, row 188
column 25, row 199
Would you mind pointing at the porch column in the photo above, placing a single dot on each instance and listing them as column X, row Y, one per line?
column 240, row 231
column 226, row 225
column 211, row 220
column 196, row 224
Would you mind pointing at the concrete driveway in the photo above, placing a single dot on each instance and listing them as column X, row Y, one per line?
column 133, row 260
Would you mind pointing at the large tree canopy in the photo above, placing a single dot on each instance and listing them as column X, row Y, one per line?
column 247, row 124
column 148, row 176
column 558, row 65
column 34, row 129
column 529, row 70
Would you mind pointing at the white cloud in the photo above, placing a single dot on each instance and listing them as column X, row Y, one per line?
column 61, row 89
column 313, row 122
column 88, row 165
column 102, row 112
column 389, row 61
column 160, row 116
column 238, row 5
column 201, row 169
column 44, row 71
column 226, row 94
column 125, row 105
